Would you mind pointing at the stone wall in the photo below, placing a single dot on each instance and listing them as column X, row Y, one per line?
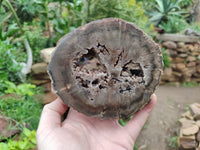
column 40, row 76
column 185, row 62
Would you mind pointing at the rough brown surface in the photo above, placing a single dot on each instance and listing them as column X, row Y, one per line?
column 108, row 68
column 7, row 128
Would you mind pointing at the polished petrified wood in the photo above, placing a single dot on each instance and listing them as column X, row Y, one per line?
column 108, row 68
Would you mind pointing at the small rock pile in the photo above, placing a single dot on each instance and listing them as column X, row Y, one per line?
column 189, row 138
column 185, row 58
column 40, row 76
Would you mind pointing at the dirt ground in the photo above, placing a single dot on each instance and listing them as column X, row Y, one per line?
column 163, row 121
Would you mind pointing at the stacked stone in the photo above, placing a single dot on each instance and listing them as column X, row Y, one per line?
column 185, row 62
column 189, row 137
column 40, row 76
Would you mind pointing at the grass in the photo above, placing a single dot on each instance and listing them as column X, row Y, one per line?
column 190, row 84
column 172, row 142
column 25, row 111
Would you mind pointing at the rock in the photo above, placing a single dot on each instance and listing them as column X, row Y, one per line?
column 186, row 122
column 39, row 82
column 198, row 123
column 178, row 60
column 42, row 76
column 195, row 110
column 191, row 70
column 191, row 58
column 190, row 47
column 182, row 50
column 196, row 54
column 167, row 75
column 45, row 54
column 190, row 129
column 183, row 55
column 7, row 128
column 180, row 67
column 171, row 52
column 196, row 75
column 198, row 136
column 47, row 87
column 177, row 74
column 169, row 44
column 187, row 142
column 187, row 115
column 177, row 38
column 49, row 97
column 191, row 64
column 39, row 68
column 180, row 44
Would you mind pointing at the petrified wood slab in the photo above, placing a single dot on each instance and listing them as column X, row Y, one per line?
column 108, row 68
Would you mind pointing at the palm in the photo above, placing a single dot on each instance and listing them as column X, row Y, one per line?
column 85, row 133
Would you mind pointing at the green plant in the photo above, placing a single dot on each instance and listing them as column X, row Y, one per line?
column 166, row 59
column 9, row 68
column 27, row 140
column 21, row 89
column 135, row 147
column 129, row 10
column 37, row 41
column 164, row 10
column 26, row 67
column 172, row 142
column 23, row 107
column 123, row 122
column 174, row 25
column 190, row 84
column 185, row 3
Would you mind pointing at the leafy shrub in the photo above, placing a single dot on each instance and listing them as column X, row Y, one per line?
column 128, row 10
column 26, row 141
column 164, row 10
column 21, row 89
column 9, row 68
column 37, row 41
column 24, row 111
column 174, row 25
column 22, row 107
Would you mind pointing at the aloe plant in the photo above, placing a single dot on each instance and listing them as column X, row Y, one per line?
column 164, row 10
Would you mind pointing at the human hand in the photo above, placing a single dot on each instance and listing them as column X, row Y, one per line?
column 80, row 132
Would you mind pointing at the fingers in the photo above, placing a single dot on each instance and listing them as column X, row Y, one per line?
column 135, row 125
column 51, row 114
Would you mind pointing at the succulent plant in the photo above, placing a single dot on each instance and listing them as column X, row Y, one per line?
column 108, row 68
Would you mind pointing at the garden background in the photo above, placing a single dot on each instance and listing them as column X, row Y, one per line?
column 29, row 27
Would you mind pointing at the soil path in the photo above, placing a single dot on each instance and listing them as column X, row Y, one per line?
column 163, row 122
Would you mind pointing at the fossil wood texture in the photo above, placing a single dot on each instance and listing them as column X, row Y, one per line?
column 108, row 68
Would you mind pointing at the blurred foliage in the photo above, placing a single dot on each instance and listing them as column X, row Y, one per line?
column 9, row 68
column 166, row 59
column 172, row 142
column 36, row 40
column 190, row 84
column 164, row 10
column 22, row 107
column 174, row 25
column 21, row 89
column 27, row 141
column 129, row 10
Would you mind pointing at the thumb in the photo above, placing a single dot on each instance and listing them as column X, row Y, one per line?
column 135, row 125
